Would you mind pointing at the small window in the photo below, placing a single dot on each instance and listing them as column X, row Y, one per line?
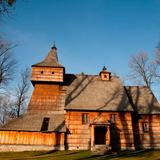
column 52, row 72
column 113, row 118
column 85, row 119
column 145, row 126
column 41, row 72
column 45, row 124
column 105, row 76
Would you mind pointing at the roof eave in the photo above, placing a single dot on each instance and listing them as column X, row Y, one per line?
column 94, row 110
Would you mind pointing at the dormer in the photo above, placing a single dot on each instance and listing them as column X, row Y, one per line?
column 48, row 70
column 104, row 74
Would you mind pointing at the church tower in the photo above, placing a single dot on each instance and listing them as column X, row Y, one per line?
column 42, row 127
column 47, row 78
column 49, row 70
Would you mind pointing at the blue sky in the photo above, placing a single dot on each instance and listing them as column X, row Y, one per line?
column 88, row 33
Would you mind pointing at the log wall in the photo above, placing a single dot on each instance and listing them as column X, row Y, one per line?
column 32, row 139
column 80, row 137
column 47, row 97
column 49, row 74
column 147, row 138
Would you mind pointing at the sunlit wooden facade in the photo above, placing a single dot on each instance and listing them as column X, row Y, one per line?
column 81, row 112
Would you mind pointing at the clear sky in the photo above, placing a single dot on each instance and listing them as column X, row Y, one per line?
column 88, row 33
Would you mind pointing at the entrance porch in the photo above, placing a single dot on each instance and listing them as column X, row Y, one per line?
column 100, row 137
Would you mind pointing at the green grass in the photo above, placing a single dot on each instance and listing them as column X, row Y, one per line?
column 81, row 155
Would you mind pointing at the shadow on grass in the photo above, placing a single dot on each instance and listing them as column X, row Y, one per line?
column 121, row 155
column 44, row 153
column 89, row 157
column 73, row 153
column 82, row 155
column 130, row 154
column 51, row 154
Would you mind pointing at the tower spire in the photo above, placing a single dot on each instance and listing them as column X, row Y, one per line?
column 54, row 46
column 51, row 60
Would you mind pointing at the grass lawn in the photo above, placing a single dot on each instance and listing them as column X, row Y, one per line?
column 80, row 155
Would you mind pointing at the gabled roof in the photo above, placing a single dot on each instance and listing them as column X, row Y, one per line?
column 51, row 60
column 143, row 100
column 32, row 121
column 87, row 92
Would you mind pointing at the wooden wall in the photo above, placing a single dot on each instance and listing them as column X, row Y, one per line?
column 47, row 74
column 79, row 137
column 31, row 138
column 47, row 97
column 147, row 138
column 122, row 132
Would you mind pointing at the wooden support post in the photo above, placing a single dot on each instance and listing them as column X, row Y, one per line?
column 62, row 139
column 108, row 135
column 92, row 136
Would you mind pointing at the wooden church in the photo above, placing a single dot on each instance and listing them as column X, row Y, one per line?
column 83, row 112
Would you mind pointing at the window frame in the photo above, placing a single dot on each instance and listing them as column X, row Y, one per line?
column 45, row 124
column 85, row 118
column 113, row 118
column 145, row 127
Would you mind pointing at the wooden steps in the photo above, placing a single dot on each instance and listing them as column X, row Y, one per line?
column 100, row 149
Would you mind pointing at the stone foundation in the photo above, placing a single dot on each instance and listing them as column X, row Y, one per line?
column 21, row 148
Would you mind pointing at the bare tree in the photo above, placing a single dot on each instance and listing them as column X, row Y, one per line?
column 142, row 70
column 157, row 58
column 6, row 108
column 7, row 62
column 22, row 90
column 6, row 7
column 157, row 61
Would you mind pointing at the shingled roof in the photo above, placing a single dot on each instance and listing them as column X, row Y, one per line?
column 88, row 92
column 51, row 60
column 143, row 100
column 33, row 122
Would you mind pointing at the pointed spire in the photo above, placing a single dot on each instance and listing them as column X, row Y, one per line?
column 104, row 68
column 51, row 60
column 54, row 46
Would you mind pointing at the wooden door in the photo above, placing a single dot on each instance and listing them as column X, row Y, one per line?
column 100, row 135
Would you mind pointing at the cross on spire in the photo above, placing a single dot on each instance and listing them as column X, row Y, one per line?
column 54, row 46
